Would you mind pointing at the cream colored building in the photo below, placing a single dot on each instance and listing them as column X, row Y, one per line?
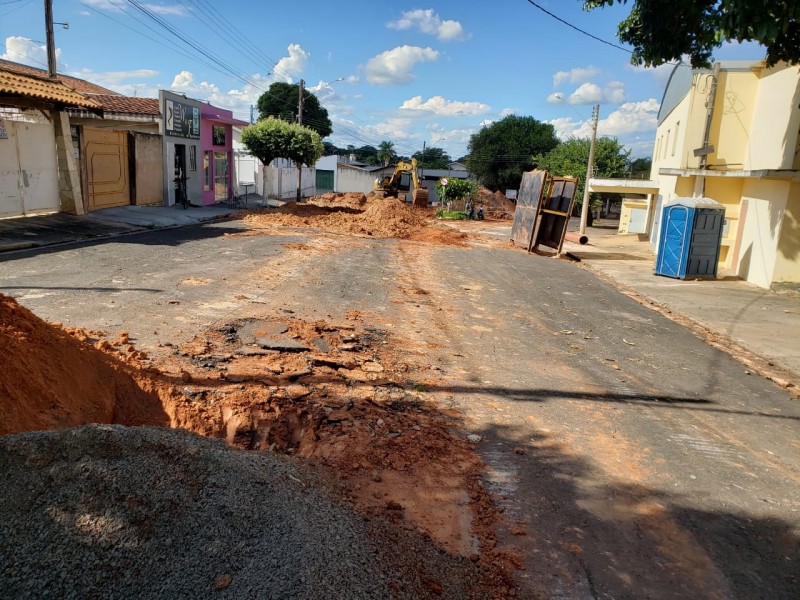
column 731, row 134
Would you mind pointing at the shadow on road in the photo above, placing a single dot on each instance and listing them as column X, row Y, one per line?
column 171, row 237
column 585, row 539
column 659, row 401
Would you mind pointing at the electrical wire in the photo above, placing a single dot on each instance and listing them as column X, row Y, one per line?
column 578, row 29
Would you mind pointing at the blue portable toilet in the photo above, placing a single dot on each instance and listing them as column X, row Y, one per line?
column 691, row 235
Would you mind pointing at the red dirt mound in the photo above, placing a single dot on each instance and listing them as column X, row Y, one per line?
column 359, row 215
column 51, row 379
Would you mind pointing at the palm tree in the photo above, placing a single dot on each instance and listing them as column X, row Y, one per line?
column 386, row 152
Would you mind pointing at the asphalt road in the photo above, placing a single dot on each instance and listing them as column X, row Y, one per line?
column 631, row 460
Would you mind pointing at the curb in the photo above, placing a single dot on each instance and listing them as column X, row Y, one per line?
column 19, row 246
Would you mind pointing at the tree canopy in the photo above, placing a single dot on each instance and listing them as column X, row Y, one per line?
column 280, row 101
column 456, row 189
column 664, row 30
column 499, row 153
column 432, row 158
column 273, row 138
column 571, row 157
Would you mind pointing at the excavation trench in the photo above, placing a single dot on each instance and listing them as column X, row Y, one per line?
column 332, row 394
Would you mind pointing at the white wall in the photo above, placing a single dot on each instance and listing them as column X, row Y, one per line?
column 354, row 180
column 281, row 182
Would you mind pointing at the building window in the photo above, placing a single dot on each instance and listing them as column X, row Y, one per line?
column 207, row 171
column 675, row 139
column 218, row 135
column 193, row 158
column 658, row 149
column 666, row 143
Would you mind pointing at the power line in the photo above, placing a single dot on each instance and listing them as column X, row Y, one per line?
column 578, row 29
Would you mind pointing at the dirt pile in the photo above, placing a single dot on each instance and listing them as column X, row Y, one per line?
column 54, row 378
column 356, row 214
column 495, row 204
column 348, row 200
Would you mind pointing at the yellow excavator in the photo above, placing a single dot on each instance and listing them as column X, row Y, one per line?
column 403, row 179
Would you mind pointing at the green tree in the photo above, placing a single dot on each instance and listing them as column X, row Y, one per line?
column 280, row 101
column 664, row 30
column 499, row 153
column 273, row 138
column 640, row 168
column 386, row 152
column 571, row 157
column 456, row 189
column 432, row 158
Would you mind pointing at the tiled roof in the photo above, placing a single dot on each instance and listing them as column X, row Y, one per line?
column 130, row 105
column 18, row 84
column 80, row 85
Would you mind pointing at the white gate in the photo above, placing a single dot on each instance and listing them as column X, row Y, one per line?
column 28, row 165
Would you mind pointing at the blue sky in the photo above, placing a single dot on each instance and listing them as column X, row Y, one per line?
column 410, row 73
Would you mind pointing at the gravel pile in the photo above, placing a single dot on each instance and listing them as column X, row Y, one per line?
column 106, row 511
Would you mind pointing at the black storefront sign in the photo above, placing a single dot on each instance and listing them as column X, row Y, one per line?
column 182, row 120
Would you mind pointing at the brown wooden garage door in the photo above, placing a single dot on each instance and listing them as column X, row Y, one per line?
column 105, row 160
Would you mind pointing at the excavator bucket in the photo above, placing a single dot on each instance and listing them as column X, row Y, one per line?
column 420, row 197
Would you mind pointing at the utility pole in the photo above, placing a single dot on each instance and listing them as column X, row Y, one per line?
column 589, row 168
column 422, row 166
column 51, row 39
column 300, row 122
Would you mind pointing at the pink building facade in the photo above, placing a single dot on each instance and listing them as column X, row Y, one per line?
column 216, row 146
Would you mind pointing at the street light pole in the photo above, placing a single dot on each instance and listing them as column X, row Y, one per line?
column 589, row 168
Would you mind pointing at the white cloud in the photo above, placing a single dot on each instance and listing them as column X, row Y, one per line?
column 394, row 67
column 486, row 122
column 508, row 111
column 427, row 21
column 591, row 93
column 175, row 10
column 239, row 99
column 438, row 105
column 661, row 73
column 629, row 118
column 393, row 128
column 130, row 83
column 575, row 75
column 109, row 78
column 587, row 93
column 289, row 67
column 26, row 51
column 615, row 92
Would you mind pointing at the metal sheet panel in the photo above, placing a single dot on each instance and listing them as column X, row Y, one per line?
column 530, row 193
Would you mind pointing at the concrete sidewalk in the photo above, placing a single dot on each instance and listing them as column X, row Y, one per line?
column 60, row 228
column 764, row 322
